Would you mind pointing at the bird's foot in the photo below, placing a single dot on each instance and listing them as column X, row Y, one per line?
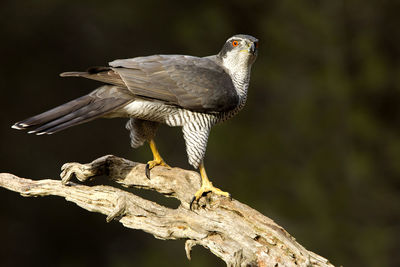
column 205, row 188
column 155, row 162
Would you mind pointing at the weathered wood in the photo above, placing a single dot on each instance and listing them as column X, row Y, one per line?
column 236, row 233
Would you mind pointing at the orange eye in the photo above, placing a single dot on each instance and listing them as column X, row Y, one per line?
column 235, row 43
column 256, row 44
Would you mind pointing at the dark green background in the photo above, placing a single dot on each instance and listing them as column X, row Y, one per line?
column 317, row 147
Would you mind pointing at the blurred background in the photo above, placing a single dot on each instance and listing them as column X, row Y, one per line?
column 317, row 147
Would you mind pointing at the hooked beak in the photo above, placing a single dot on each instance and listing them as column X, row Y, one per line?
column 253, row 48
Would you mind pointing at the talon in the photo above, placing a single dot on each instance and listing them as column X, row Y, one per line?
column 152, row 163
column 147, row 171
column 207, row 186
column 157, row 161
column 191, row 202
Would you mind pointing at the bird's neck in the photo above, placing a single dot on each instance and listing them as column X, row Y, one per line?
column 241, row 79
column 241, row 82
column 239, row 70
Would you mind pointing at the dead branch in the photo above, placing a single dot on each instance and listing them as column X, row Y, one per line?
column 236, row 233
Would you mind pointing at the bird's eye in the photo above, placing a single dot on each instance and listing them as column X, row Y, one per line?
column 235, row 43
column 256, row 44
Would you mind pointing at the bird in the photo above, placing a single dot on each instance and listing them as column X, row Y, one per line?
column 192, row 92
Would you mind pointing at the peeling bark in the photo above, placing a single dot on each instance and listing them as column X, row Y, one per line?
column 236, row 233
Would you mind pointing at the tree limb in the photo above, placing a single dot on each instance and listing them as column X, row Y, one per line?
column 238, row 234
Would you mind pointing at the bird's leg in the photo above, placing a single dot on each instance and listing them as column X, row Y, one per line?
column 157, row 159
column 206, row 186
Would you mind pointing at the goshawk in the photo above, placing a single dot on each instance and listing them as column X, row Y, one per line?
column 178, row 90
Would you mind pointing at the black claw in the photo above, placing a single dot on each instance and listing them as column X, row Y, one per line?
column 147, row 171
column 191, row 202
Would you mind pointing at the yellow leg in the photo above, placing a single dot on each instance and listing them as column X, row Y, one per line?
column 206, row 186
column 157, row 159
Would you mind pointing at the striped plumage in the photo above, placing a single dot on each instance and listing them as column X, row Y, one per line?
column 196, row 125
column 193, row 92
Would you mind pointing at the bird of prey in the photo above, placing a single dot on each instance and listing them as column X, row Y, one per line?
column 178, row 90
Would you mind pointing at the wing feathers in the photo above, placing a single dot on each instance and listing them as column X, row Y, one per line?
column 102, row 74
column 193, row 83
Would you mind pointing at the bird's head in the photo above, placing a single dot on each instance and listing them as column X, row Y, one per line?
column 239, row 51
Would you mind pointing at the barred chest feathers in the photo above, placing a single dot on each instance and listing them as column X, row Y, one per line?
column 175, row 116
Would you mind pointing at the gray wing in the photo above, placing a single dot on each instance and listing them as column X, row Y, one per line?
column 190, row 82
column 193, row 83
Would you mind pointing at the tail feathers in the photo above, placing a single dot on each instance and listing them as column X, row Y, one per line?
column 75, row 112
column 54, row 113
